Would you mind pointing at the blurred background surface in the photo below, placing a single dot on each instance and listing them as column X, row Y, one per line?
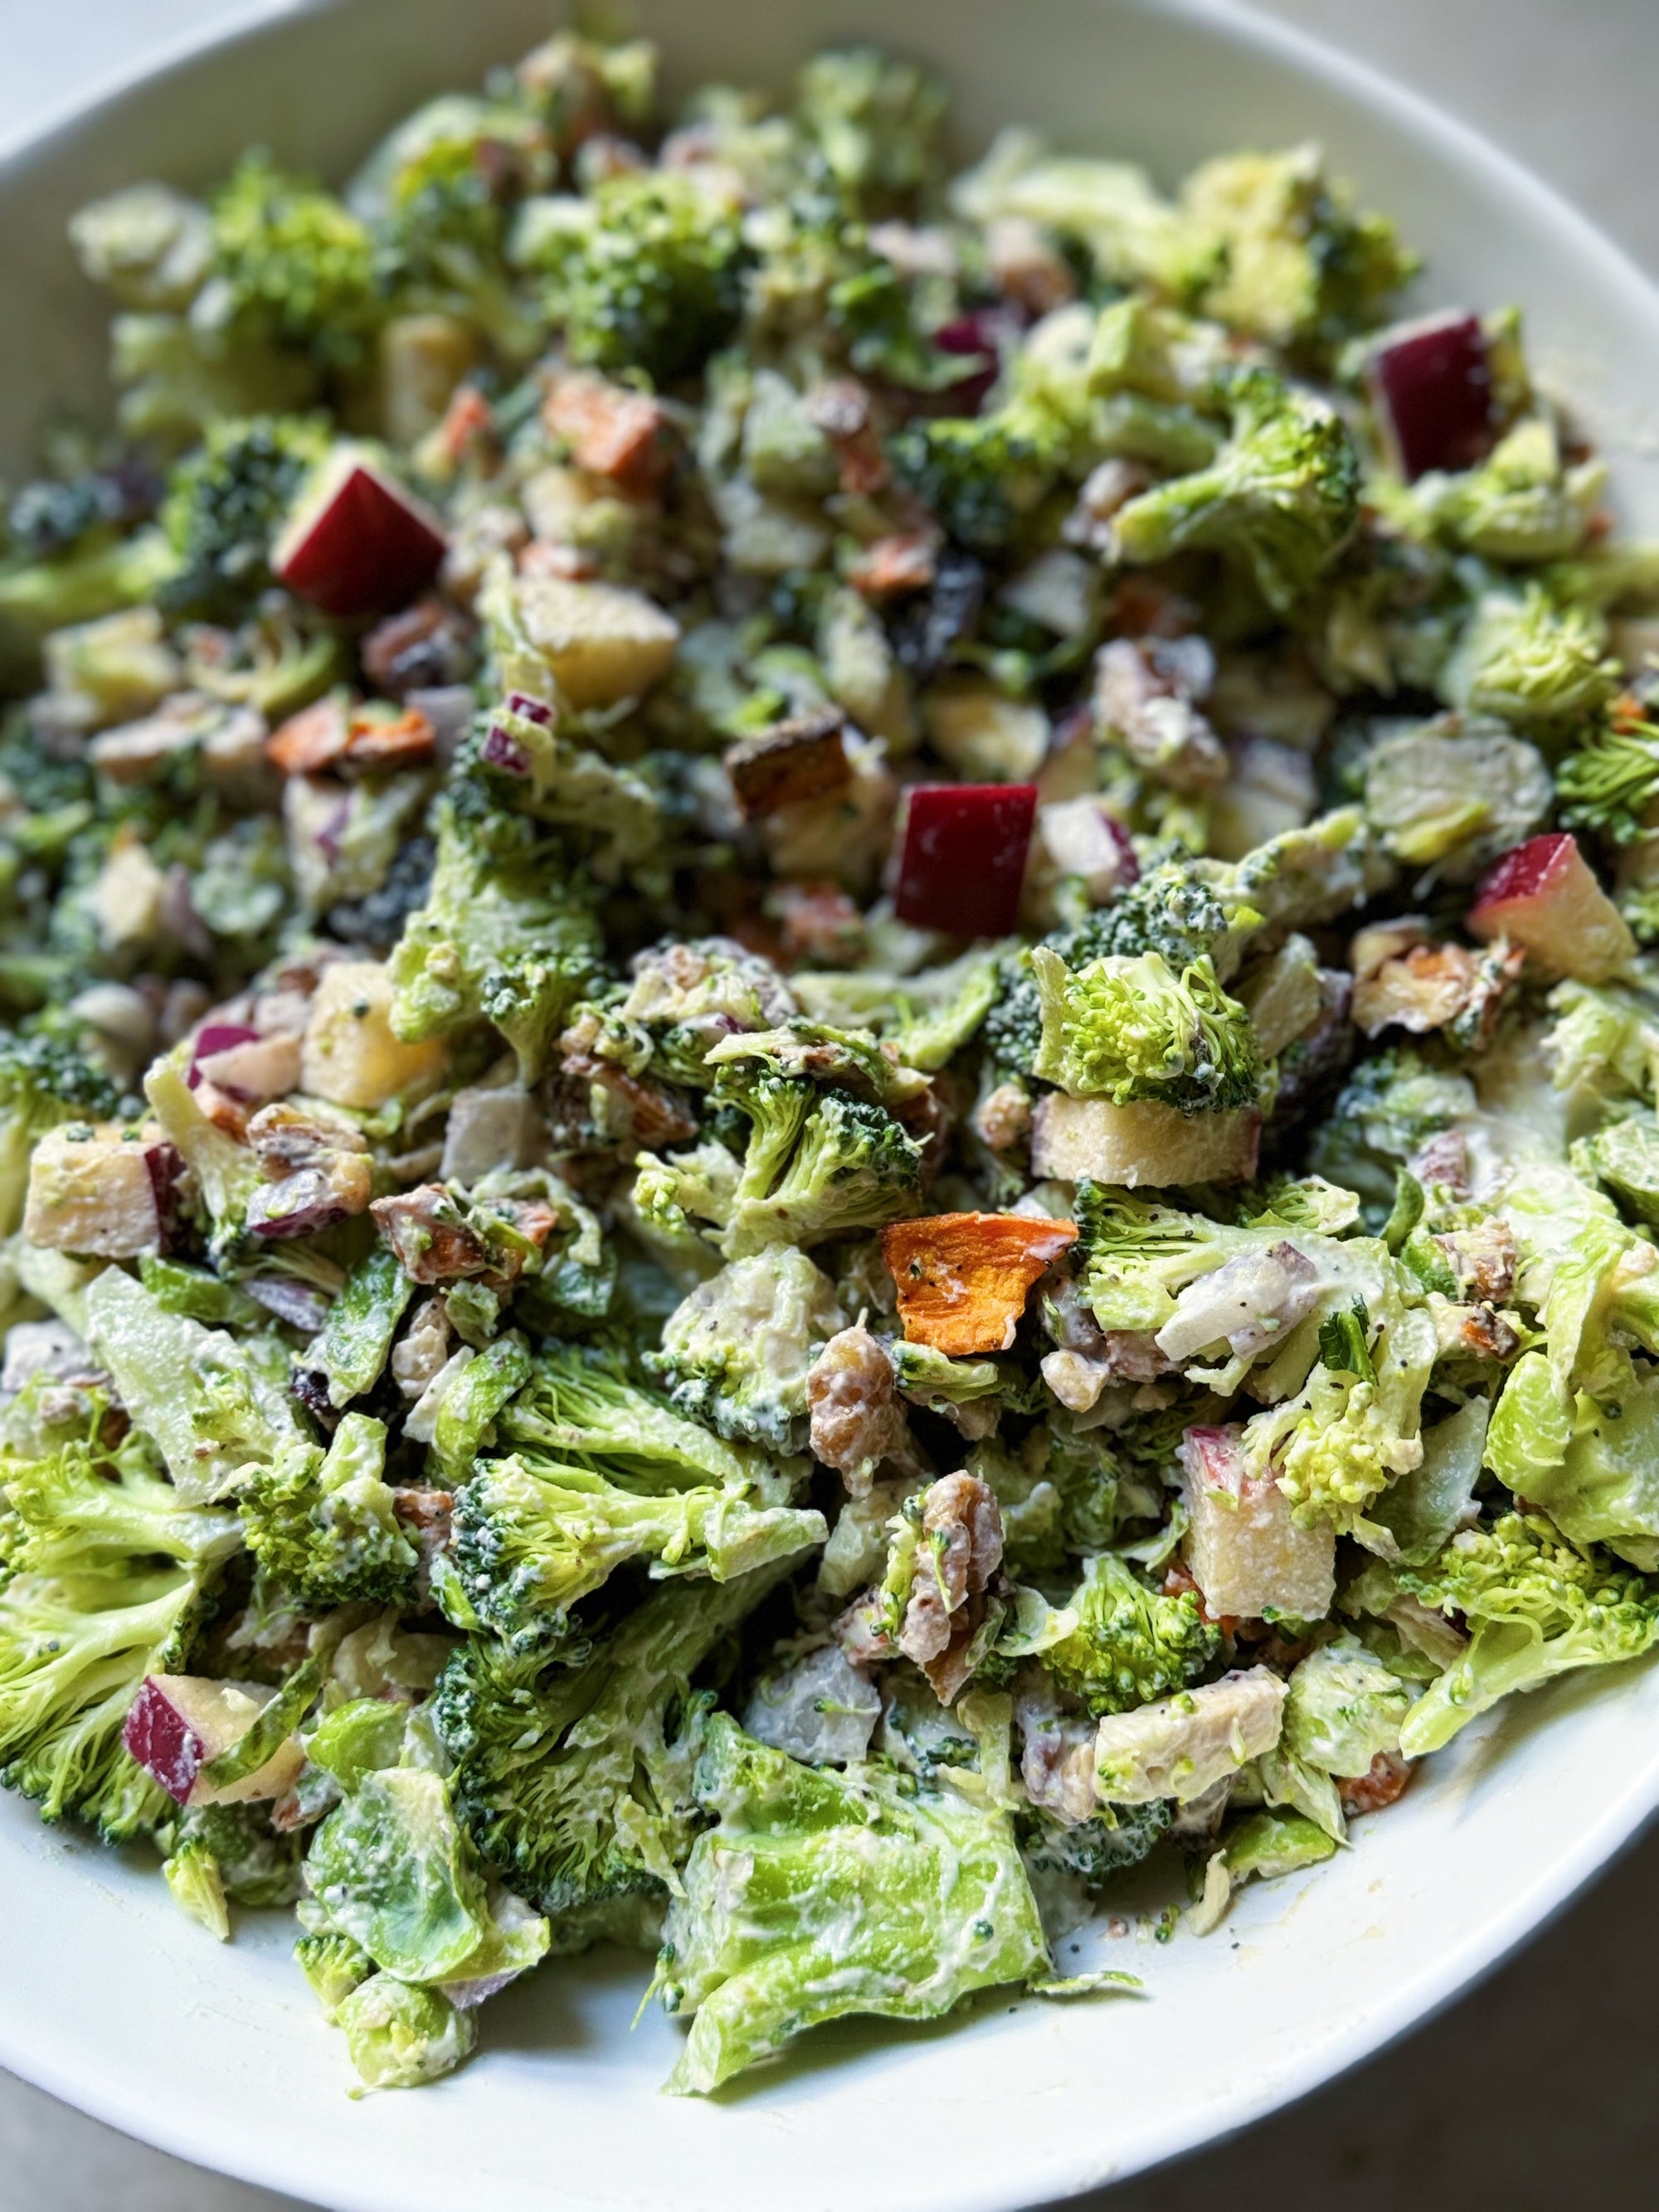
column 1570, row 89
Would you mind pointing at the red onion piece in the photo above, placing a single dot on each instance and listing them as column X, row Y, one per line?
column 1430, row 382
column 501, row 751
column 217, row 1036
column 533, row 708
column 964, row 858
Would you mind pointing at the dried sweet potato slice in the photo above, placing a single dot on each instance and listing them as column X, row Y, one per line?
column 963, row 1278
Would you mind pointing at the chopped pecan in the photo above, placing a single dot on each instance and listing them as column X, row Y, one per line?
column 890, row 567
column 1483, row 1259
column 425, row 646
column 858, row 1419
column 1057, row 1762
column 635, row 1115
column 960, row 1550
column 1145, row 692
column 804, row 758
column 612, row 431
column 425, row 1229
column 285, row 1138
column 1442, row 1162
column 819, row 923
column 1385, row 1780
column 840, row 409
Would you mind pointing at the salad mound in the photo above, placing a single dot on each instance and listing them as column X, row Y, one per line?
column 830, row 1086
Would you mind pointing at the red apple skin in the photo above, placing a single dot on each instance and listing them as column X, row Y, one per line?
column 360, row 545
column 1430, row 382
column 162, row 1741
column 1543, row 897
column 963, row 859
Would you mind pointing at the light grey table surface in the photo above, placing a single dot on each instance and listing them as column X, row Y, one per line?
column 1535, row 2093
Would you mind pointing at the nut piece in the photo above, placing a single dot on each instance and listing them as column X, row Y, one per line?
column 963, row 1278
column 804, row 758
column 960, row 1550
column 858, row 1421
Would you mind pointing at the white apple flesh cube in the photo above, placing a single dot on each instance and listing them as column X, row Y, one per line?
column 358, row 544
column 1543, row 897
column 100, row 1192
column 600, row 643
column 1242, row 1548
column 1184, row 1745
column 1141, row 1143
column 350, row 1055
column 178, row 1724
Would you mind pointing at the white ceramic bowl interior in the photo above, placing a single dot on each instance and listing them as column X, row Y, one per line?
column 110, row 2000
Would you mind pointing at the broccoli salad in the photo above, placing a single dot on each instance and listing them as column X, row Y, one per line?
column 828, row 1086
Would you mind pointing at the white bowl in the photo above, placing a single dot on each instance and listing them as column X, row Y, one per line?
column 110, row 2000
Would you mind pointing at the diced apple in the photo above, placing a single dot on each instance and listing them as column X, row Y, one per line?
column 178, row 1724
column 350, row 1056
column 1430, row 382
column 983, row 733
column 101, row 1191
column 1543, row 897
column 963, row 856
column 601, row 643
column 1242, row 1548
column 358, row 544
column 1128, row 1146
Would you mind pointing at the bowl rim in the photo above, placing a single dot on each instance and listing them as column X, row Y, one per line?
column 1528, row 1909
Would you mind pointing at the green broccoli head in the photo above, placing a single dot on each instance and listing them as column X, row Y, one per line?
column 1534, row 662
column 291, row 266
column 324, row 1525
column 1131, row 1028
column 1536, row 1606
column 876, row 122
column 1131, row 1643
column 225, row 504
column 439, row 197
column 502, row 920
column 109, row 1572
column 1391, row 1106
column 532, row 1536
column 980, row 475
column 1096, row 1851
column 652, row 281
column 1611, row 783
column 1279, row 500
column 575, row 1782
column 45, row 1078
column 1298, row 265
column 737, row 1350
column 582, row 1405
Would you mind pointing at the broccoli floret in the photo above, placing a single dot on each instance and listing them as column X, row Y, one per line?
column 325, row 1525
column 1279, row 499
column 45, row 1079
column 1299, row 267
column 1354, row 1425
column 291, row 266
column 815, row 1164
column 1536, row 1606
column 109, row 1567
column 575, row 1782
column 533, row 1535
column 651, row 279
column 736, row 1351
column 224, row 506
column 1095, row 1850
column 1521, row 506
column 982, row 475
column 1130, row 1645
column 98, row 574
column 438, row 197
column 759, row 1944
column 503, row 921
column 581, row 1404
column 1532, row 661
column 177, row 375
column 1131, row 1027
column 1610, row 784
column 877, row 123
column 1392, row 1104
column 1110, row 207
